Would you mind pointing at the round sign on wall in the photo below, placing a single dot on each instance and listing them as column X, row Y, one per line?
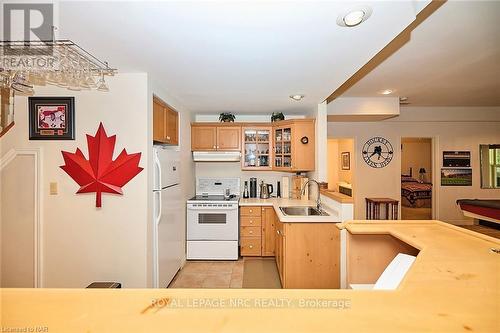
column 377, row 152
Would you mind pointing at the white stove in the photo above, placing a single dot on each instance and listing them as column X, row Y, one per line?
column 212, row 220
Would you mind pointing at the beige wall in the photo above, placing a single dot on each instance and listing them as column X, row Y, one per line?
column 345, row 145
column 17, row 223
column 452, row 128
column 333, row 164
column 335, row 173
column 416, row 154
column 81, row 243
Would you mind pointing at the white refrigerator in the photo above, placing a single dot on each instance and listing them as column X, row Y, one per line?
column 168, row 223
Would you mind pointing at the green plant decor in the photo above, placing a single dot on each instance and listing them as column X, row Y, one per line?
column 226, row 117
column 277, row 116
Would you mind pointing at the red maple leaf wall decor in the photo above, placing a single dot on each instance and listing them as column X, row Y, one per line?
column 100, row 173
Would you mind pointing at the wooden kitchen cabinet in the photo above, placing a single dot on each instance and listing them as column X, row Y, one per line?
column 308, row 255
column 256, row 148
column 257, row 228
column 268, row 231
column 165, row 123
column 294, row 145
column 287, row 145
column 172, row 134
column 278, row 251
column 229, row 138
column 250, row 231
column 215, row 137
column 203, row 138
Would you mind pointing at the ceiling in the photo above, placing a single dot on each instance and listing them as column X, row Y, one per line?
column 243, row 57
column 452, row 59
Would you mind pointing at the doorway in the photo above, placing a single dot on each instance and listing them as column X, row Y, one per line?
column 416, row 178
column 340, row 165
column 19, row 219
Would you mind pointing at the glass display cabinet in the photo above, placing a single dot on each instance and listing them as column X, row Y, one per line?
column 257, row 148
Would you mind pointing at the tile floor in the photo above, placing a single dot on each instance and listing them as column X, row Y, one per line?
column 210, row 274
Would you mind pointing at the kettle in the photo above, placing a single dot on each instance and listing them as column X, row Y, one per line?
column 265, row 190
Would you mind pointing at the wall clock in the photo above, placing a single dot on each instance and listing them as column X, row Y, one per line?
column 377, row 152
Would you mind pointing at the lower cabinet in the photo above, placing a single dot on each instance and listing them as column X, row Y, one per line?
column 257, row 231
column 308, row 255
column 269, row 220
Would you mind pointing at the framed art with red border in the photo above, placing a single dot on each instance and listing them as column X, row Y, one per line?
column 51, row 118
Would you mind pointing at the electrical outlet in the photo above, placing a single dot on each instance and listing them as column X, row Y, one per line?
column 53, row 188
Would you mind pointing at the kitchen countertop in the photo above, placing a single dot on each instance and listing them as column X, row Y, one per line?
column 342, row 198
column 280, row 202
column 453, row 286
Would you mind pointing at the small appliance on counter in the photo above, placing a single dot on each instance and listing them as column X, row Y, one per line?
column 253, row 187
column 245, row 191
column 265, row 190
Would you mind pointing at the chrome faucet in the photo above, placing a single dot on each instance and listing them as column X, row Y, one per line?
column 318, row 199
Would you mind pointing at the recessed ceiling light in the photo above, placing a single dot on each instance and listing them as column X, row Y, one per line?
column 403, row 100
column 354, row 16
column 386, row 92
column 296, row 97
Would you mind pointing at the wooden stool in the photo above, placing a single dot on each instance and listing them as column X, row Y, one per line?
column 373, row 208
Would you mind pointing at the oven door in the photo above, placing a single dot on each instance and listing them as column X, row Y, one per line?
column 212, row 222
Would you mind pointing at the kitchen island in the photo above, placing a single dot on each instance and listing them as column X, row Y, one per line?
column 453, row 286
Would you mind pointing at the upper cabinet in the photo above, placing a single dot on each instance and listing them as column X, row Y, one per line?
column 229, row 138
column 287, row 145
column 257, row 148
column 165, row 123
column 210, row 137
column 294, row 145
column 203, row 138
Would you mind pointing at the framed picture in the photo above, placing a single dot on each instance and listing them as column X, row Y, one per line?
column 346, row 160
column 456, row 177
column 51, row 118
column 456, row 159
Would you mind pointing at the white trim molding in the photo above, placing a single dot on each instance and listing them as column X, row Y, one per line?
column 37, row 188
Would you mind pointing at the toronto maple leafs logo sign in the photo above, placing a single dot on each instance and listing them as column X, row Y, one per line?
column 100, row 173
column 377, row 152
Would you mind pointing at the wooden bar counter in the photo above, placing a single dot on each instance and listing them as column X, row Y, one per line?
column 453, row 286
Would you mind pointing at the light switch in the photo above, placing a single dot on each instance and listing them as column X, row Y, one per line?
column 53, row 188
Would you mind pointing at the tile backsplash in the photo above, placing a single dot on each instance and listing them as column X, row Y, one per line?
column 233, row 169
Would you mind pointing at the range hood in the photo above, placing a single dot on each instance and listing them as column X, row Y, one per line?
column 216, row 156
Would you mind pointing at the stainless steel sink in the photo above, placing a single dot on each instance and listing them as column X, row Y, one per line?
column 303, row 211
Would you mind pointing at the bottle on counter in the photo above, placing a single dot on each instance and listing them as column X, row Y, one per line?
column 245, row 190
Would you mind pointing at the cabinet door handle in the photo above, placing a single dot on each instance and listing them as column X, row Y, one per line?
column 251, row 221
column 250, row 247
column 214, row 147
column 168, row 138
column 251, row 211
column 250, row 232
column 278, row 232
